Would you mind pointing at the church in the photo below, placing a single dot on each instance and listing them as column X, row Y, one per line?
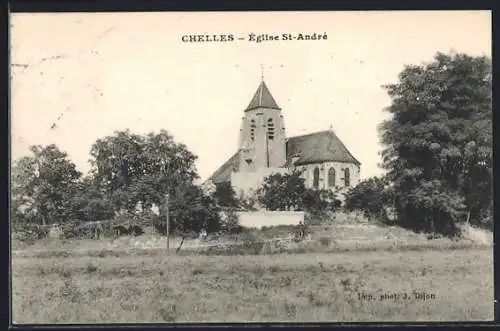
column 265, row 149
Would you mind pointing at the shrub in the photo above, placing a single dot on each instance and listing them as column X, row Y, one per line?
column 320, row 204
column 431, row 208
column 230, row 222
column 325, row 241
column 371, row 196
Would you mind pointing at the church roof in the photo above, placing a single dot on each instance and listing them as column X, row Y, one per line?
column 223, row 174
column 262, row 99
column 323, row 146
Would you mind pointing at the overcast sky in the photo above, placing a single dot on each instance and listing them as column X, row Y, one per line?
column 113, row 71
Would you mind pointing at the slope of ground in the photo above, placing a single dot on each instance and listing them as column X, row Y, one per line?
column 345, row 233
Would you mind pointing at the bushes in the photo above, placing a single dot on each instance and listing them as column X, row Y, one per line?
column 229, row 221
column 288, row 192
column 431, row 207
column 320, row 204
column 29, row 233
column 371, row 196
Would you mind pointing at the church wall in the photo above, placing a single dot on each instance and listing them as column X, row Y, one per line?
column 324, row 167
column 261, row 218
column 248, row 182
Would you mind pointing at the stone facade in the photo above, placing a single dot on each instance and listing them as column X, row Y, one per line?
column 264, row 149
column 331, row 175
column 246, row 183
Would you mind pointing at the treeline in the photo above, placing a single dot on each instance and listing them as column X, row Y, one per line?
column 130, row 174
column 438, row 148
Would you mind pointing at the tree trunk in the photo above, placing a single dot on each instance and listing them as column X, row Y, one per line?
column 180, row 245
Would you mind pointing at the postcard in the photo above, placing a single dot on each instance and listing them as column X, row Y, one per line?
column 258, row 167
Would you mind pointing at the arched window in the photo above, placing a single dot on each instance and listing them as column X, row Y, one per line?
column 347, row 177
column 316, row 177
column 270, row 129
column 331, row 177
column 252, row 129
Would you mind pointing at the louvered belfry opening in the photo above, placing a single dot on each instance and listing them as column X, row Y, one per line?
column 252, row 129
column 270, row 129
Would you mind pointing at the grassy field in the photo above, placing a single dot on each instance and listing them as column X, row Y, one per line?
column 154, row 287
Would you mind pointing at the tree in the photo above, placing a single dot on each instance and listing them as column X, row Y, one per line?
column 438, row 142
column 190, row 210
column 133, row 168
column 89, row 203
column 320, row 203
column 225, row 196
column 43, row 185
column 287, row 192
column 371, row 196
column 282, row 191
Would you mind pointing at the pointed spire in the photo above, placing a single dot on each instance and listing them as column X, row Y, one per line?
column 262, row 99
column 261, row 72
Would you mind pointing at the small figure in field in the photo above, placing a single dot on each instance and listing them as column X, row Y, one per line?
column 203, row 234
column 300, row 231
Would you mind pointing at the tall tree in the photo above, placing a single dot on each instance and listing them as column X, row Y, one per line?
column 140, row 168
column 438, row 142
column 43, row 185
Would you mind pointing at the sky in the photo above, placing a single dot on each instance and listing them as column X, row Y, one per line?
column 78, row 77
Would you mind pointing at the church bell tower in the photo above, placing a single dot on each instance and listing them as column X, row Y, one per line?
column 262, row 133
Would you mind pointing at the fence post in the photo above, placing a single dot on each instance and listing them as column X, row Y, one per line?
column 168, row 222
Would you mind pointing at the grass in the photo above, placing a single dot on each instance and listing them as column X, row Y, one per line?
column 154, row 287
column 340, row 275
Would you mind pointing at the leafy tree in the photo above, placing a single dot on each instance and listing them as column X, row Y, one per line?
column 438, row 142
column 287, row 192
column 43, row 185
column 225, row 195
column 133, row 168
column 89, row 203
column 371, row 196
column 190, row 210
column 282, row 191
column 117, row 162
column 320, row 203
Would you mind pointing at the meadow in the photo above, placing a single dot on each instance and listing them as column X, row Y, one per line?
column 151, row 286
